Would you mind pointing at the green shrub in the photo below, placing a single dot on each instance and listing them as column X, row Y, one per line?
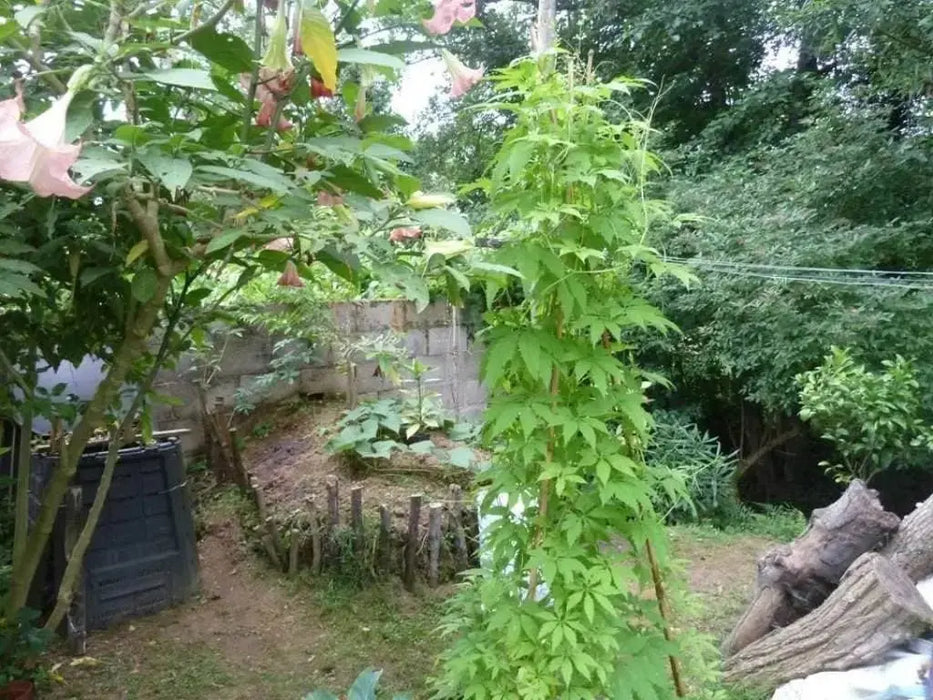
column 872, row 418
column 696, row 479
column 22, row 642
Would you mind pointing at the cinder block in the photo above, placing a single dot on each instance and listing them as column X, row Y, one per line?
column 369, row 380
column 249, row 354
column 267, row 393
column 224, row 390
column 324, row 380
column 416, row 342
column 437, row 314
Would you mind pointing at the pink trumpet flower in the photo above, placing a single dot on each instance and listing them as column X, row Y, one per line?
column 463, row 76
column 36, row 152
column 290, row 277
column 400, row 235
column 446, row 12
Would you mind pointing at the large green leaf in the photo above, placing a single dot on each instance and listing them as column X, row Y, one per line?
column 445, row 219
column 226, row 50
column 274, row 182
column 173, row 173
column 182, row 77
column 144, row 285
column 364, row 687
column 368, row 57
column 319, row 44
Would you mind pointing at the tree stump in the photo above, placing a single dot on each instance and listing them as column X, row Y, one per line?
column 911, row 548
column 796, row 578
column 875, row 608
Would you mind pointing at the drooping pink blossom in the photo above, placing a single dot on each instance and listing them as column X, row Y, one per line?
column 290, row 277
column 36, row 152
column 328, row 199
column 463, row 76
column 282, row 245
column 446, row 12
column 402, row 234
column 271, row 86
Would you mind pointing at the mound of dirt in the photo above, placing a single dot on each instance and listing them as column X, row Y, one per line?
column 292, row 466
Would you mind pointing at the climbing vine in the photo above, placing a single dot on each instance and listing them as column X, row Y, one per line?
column 564, row 606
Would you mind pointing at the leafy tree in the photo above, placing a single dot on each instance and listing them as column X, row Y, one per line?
column 872, row 418
column 190, row 178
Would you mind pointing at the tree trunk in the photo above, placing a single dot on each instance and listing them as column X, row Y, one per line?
column 912, row 546
column 131, row 349
column 875, row 608
column 796, row 578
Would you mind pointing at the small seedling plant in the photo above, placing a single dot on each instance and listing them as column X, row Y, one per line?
column 561, row 609
column 364, row 687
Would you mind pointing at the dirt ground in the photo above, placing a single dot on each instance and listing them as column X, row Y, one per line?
column 254, row 634
column 292, row 467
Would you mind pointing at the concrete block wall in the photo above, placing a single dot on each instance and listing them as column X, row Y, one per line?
column 436, row 336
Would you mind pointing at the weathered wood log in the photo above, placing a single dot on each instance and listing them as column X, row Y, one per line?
column 794, row 579
column 411, row 544
column 317, row 546
column 875, row 608
column 911, row 548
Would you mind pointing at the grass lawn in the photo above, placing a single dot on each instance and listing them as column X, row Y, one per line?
column 255, row 634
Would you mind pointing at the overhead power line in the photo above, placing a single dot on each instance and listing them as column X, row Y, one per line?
column 850, row 277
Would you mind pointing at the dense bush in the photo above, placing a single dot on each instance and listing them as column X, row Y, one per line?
column 699, row 476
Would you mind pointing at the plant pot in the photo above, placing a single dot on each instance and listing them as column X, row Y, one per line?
column 18, row 690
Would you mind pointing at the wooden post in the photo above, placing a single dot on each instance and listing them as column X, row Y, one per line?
column 333, row 501
column 356, row 517
column 434, row 543
column 411, row 545
column 316, row 545
column 76, row 618
column 293, row 550
column 385, row 537
column 240, row 475
column 270, row 539
column 461, row 554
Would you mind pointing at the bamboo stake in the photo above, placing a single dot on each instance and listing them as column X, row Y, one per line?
column 665, row 610
column 461, row 554
column 385, row 537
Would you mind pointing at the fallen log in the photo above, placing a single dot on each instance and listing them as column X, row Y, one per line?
column 911, row 548
column 875, row 608
column 796, row 578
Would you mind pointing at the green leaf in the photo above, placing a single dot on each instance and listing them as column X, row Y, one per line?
column 226, row 50
column 276, row 183
column 364, row 687
column 319, row 44
column 370, row 58
column 12, row 284
column 137, row 250
column 462, row 457
column 444, row 219
column 173, row 173
column 181, row 77
column 224, row 240
column 144, row 285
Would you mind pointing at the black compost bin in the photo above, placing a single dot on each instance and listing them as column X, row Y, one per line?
column 143, row 555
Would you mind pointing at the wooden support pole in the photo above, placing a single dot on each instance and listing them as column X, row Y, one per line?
column 434, row 543
column 270, row 539
column 333, row 501
column 461, row 554
column 356, row 518
column 240, row 475
column 76, row 617
column 385, row 538
column 411, row 545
